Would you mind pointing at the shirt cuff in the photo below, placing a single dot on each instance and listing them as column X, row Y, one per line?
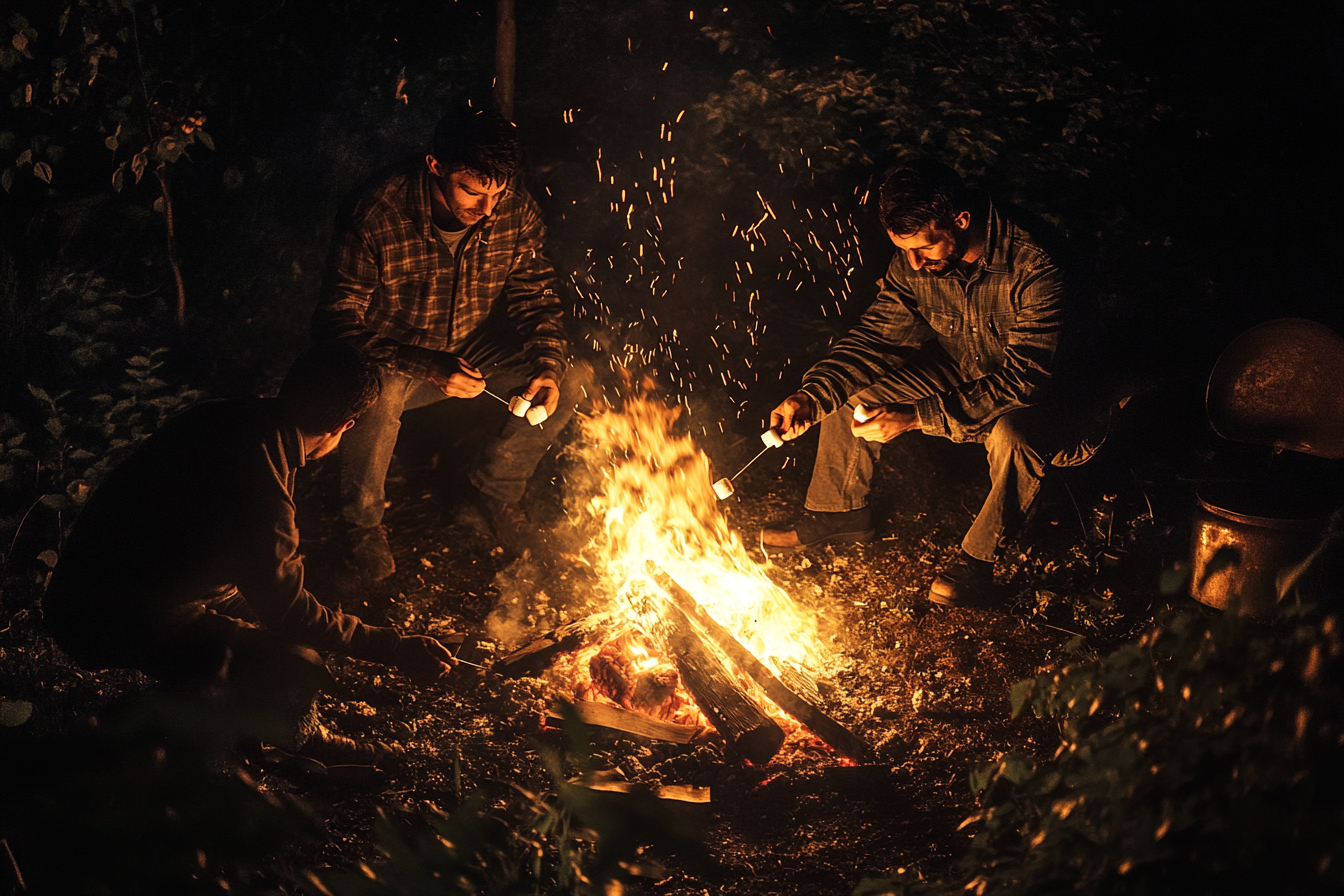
column 931, row 418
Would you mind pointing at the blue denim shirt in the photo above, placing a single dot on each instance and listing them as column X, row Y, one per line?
column 1000, row 321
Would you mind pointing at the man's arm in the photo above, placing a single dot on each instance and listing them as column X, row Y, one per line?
column 964, row 413
column 889, row 332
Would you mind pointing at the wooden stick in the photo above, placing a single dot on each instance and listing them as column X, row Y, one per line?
column 535, row 657
column 746, row 727
column 617, row 718
column 837, row 736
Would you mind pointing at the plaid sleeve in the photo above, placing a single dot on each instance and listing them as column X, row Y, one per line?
column 884, row 338
column 351, row 278
column 532, row 297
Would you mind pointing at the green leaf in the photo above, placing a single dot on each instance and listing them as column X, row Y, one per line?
column 206, row 139
column 16, row 441
column 7, row 179
column 981, row 773
column 48, row 558
column 6, row 472
column 119, row 177
column 55, row 502
column 39, row 393
column 1016, row 768
column 1021, row 693
column 14, row 713
column 43, row 172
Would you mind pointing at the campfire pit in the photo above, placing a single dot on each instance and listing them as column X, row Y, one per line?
column 695, row 635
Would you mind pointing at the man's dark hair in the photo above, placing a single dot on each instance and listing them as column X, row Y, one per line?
column 480, row 141
column 920, row 192
column 329, row 384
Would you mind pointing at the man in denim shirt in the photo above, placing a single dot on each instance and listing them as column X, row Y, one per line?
column 962, row 342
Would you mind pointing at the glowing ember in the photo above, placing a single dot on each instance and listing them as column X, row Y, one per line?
column 657, row 504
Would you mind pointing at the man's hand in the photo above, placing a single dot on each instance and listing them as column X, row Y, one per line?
column 423, row 660
column 884, row 422
column 544, row 389
column 456, row 378
column 794, row 416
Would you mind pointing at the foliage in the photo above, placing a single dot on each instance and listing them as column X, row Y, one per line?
column 147, row 802
column 572, row 840
column 93, row 65
column 107, row 398
column 1201, row 758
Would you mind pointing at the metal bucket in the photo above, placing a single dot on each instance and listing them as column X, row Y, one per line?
column 1258, row 540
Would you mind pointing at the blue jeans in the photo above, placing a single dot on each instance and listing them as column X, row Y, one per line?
column 506, row 461
column 1021, row 446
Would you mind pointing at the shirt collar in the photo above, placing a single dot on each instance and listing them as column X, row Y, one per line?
column 995, row 257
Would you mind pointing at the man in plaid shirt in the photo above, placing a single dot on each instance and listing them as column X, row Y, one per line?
column 440, row 273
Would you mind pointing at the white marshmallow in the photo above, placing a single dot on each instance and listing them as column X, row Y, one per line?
column 518, row 405
column 536, row 415
column 771, row 439
column 724, row 488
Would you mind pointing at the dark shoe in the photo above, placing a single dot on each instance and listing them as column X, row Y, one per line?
column 330, row 748
column 368, row 554
column 966, row 582
column 815, row 529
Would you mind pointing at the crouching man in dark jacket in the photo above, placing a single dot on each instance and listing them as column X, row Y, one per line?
column 185, row 563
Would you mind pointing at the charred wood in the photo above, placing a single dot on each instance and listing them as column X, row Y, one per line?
column 837, row 736
column 735, row 713
column 535, row 657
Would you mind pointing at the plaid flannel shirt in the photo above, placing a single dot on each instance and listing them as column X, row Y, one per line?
column 1001, row 323
column 395, row 291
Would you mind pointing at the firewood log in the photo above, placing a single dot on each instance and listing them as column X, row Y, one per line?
column 837, row 736
column 735, row 714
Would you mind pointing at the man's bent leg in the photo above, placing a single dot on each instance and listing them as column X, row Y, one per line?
column 508, row 460
column 1019, row 447
column 366, row 453
column 843, row 471
column 837, row 496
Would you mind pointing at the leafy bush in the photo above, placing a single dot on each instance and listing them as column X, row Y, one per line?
column 1202, row 758
column 107, row 399
column 147, row 802
column 570, row 840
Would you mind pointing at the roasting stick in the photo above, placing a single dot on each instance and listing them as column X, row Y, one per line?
column 724, row 487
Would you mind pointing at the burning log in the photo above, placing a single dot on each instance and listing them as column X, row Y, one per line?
column 837, row 736
column 604, row 715
column 535, row 657
column 735, row 714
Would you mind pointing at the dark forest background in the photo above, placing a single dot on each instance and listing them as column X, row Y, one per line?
column 708, row 177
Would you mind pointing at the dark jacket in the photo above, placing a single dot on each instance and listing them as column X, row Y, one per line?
column 1001, row 321
column 204, row 505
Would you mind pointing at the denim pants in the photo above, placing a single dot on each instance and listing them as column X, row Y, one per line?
column 507, row 458
column 1020, row 447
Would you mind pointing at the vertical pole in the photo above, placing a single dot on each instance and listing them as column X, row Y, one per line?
column 506, row 42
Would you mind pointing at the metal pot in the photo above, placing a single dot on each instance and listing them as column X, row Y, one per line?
column 1254, row 549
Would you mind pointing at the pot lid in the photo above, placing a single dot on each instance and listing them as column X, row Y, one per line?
column 1281, row 383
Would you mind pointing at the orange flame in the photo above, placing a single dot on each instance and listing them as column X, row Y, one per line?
column 657, row 504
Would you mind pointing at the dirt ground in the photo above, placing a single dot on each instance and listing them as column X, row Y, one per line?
column 926, row 687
